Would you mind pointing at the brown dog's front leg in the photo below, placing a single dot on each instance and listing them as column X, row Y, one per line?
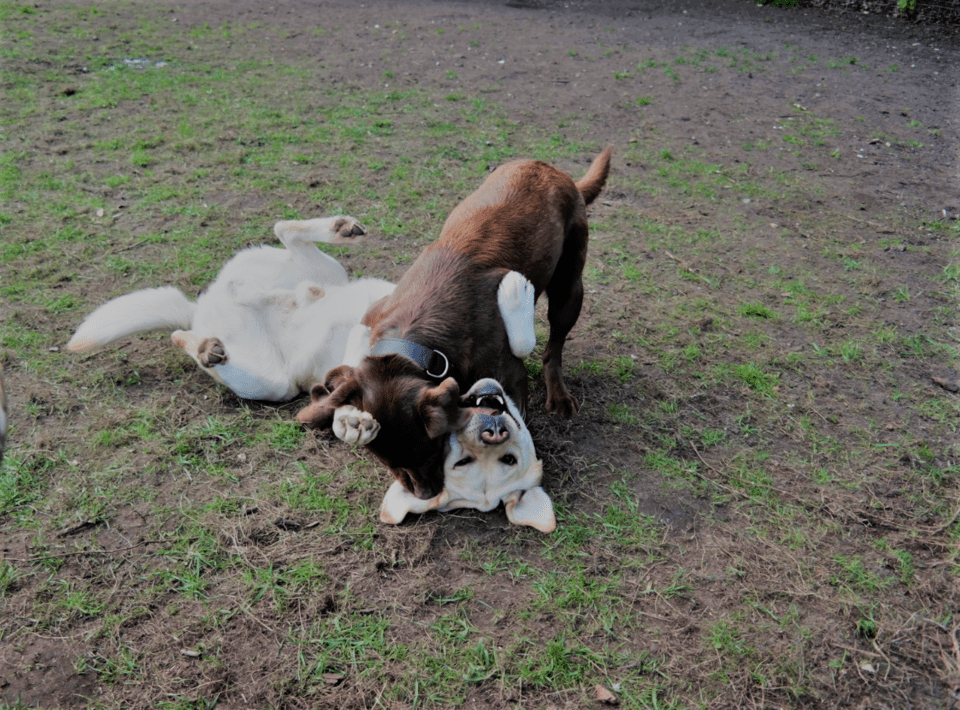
column 339, row 389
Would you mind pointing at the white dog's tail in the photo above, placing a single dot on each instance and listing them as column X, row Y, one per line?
column 152, row 309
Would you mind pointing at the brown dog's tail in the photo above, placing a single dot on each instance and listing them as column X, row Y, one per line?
column 591, row 183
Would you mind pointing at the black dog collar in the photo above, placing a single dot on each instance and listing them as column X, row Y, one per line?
column 425, row 357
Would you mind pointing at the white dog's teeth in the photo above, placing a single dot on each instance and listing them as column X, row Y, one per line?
column 491, row 398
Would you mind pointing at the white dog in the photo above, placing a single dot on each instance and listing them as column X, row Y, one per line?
column 272, row 323
column 275, row 321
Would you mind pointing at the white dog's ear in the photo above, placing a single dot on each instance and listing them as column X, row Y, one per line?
column 399, row 501
column 533, row 508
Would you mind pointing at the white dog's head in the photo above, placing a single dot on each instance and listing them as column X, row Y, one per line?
column 491, row 459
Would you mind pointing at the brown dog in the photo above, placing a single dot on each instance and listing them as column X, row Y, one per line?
column 441, row 327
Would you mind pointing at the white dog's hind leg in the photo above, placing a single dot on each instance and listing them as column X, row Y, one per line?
column 353, row 426
column 516, row 300
column 533, row 508
column 268, row 383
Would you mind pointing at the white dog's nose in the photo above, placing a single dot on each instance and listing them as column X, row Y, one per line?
column 493, row 430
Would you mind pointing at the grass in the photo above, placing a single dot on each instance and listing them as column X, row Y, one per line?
column 758, row 484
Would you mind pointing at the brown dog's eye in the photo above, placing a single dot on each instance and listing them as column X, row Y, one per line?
column 463, row 462
column 509, row 459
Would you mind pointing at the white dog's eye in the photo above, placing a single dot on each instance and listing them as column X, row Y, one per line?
column 509, row 459
column 463, row 462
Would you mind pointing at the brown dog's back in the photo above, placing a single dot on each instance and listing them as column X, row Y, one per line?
column 520, row 217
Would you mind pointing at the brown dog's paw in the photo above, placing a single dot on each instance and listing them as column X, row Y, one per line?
column 565, row 405
column 211, row 352
column 353, row 426
column 348, row 227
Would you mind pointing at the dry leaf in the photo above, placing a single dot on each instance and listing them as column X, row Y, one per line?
column 605, row 696
column 946, row 384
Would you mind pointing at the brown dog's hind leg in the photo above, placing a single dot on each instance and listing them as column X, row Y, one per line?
column 565, row 296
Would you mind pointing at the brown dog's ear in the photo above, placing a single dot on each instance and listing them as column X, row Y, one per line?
column 340, row 387
column 439, row 407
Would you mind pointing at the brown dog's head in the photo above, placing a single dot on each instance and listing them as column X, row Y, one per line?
column 415, row 414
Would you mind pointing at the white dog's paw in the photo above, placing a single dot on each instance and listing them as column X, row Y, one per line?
column 533, row 508
column 516, row 300
column 348, row 227
column 332, row 230
column 211, row 352
column 353, row 426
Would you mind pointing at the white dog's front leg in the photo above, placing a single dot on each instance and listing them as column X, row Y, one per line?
column 353, row 426
column 516, row 300
column 298, row 236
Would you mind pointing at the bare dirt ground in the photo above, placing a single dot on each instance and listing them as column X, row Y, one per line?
column 886, row 201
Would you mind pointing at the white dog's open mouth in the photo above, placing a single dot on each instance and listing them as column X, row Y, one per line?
column 491, row 460
column 492, row 423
